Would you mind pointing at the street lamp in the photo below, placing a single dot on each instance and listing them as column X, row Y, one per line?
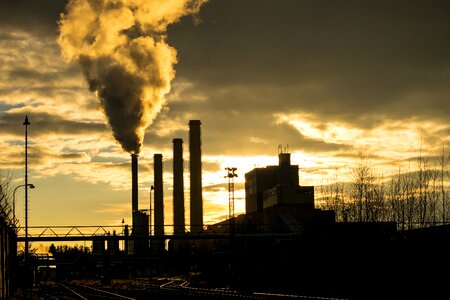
column 26, row 123
column 123, row 233
column 31, row 186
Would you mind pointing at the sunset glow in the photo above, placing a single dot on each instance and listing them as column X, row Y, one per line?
column 256, row 76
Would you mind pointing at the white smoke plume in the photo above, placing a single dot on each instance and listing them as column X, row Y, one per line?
column 122, row 50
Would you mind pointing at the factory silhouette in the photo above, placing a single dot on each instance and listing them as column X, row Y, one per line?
column 282, row 244
column 140, row 219
column 275, row 202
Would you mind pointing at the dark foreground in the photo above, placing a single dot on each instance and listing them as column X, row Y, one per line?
column 162, row 288
column 413, row 266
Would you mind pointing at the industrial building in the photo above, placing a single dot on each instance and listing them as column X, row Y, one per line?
column 275, row 202
column 259, row 181
column 280, row 234
column 282, row 242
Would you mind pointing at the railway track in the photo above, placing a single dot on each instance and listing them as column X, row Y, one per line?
column 171, row 289
column 182, row 287
column 82, row 292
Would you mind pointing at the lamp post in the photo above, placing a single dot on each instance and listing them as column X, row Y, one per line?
column 31, row 186
column 26, row 123
column 123, row 233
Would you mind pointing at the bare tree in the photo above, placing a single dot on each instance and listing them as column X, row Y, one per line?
column 444, row 173
column 368, row 192
column 332, row 196
column 5, row 198
column 360, row 178
column 396, row 205
column 423, row 185
column 417, row 197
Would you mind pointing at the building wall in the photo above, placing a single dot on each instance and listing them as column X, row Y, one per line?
column 287, row 174
column 140, row 246
column 256, row 182
column 279, row 195
column 259, row 180
column 98, row 247
column 113, row 246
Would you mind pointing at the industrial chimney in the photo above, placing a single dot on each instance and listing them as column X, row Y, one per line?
column 195, row 164
column 134, row 182
column 178, row 187
column 134, row 188
column 159, row 200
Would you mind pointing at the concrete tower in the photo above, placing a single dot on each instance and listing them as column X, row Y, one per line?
column 134, row 182
column 178, row 187
column 159, row 198
column 195, row 166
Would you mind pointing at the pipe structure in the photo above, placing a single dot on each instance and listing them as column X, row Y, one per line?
column 195, row 166
column 178, row 187
column 159, row 198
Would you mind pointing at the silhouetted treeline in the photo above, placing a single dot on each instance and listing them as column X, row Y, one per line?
column 8, row 239
column 73, row 262
column 414, row 198
column 6, row 199
column 65, row 250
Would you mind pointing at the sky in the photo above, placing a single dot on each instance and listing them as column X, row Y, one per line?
column 329, row 80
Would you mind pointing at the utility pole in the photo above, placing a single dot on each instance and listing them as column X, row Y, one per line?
column 231, row 173
column 26, row 123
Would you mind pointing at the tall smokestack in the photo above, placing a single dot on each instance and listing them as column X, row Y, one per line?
column 178, row 187
column 159, row 200
column 134, row 182
column 195, row 164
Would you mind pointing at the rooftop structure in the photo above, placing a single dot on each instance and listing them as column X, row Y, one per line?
column 276, row 185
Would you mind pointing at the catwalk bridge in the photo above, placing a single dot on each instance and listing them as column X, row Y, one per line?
column 92, row 233
column 117, row 232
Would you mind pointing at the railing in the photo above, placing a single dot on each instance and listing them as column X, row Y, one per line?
column 217, row 231
column 70, row 231
column 122, row 232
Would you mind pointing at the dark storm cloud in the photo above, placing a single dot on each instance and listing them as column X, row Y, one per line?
column 168, row 164
column 354, row 61
column 358, row 156
column 126, row 166
column 43, row 123
column 32, row 71
column 41, row 155
column 31, row 15
column 233, row 130
column 363, row 63
column 31, row 75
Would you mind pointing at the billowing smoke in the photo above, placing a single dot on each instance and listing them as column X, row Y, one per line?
column 121, row 47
